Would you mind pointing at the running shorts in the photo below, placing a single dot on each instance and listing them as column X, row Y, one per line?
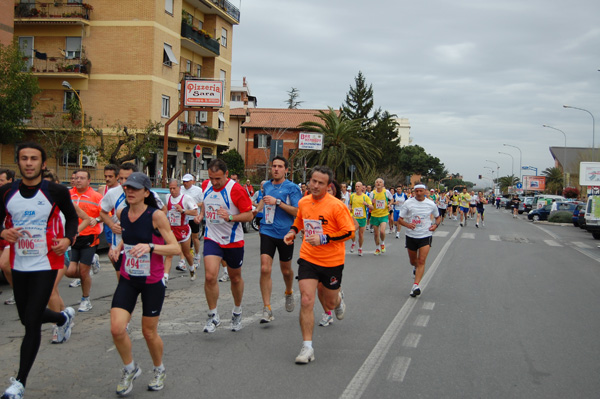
column 269, row 244
column 108, row 234
column 82, row 251
column 442, row 212
column 233, row 256
column 454, row 208
column 195, row 227
column 182, row 233
column 413, row 244
column 330, row 277
column 464, row 210
column 128, row 290
column 376, row 221
column 361, row 222
column 480, row 210
column 396, row 215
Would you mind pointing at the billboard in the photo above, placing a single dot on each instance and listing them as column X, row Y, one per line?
column 310, row 141
column 589, row 173
column 203, row 93
column 534, row 183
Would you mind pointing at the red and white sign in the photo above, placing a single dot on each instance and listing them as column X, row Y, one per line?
column 197, row 151
column 203, row 93
column 310, row 141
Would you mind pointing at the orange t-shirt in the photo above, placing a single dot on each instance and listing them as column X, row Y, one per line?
column 327, row 216
column 89, row 202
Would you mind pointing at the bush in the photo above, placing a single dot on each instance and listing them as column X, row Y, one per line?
column 571, row 192
column 561, row 217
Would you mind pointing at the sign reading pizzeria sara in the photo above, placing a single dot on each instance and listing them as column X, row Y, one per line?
column 203, row 93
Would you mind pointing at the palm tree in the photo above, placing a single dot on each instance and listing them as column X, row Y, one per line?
column 554, row 180
column 507, row 181
column 342, row 145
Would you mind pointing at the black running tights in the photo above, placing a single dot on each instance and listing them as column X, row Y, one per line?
column 32, row 291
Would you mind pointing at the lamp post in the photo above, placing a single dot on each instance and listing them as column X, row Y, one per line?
column 497, row 171
column 520, row 159
column 67, row 85
column 512, row 173
column 593, row 130
column 564, row 154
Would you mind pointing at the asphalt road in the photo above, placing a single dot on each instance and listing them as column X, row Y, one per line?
column 509, row 310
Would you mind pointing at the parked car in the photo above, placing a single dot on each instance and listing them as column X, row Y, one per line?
column 579, row 209
column 505, row 203
column 582, row 217
column 543, row 212
column 525, row 205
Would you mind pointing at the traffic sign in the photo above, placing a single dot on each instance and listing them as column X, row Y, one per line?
column 352, row 168
column 519, row 185
column 197, row 151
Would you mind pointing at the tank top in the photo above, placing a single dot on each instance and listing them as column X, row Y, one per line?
column 176, row 218
column 217, row 229
column 148, row 266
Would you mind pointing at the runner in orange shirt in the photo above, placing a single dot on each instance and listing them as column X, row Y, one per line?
column 327, row 224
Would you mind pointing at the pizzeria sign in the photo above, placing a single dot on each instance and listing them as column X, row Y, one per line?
column 203, row 93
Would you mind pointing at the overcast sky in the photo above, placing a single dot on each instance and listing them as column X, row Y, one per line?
column 469, row 75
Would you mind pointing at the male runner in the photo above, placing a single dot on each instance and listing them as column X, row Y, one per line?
column 455, row 199
column 279, row 205
column 179, row 207
column 481, row 201
column 369, row 193
column 30, row 208
column 6, row 176
column 345, row 194
column 464, row 198
column 472, row 205
column 399, row 198
column 379, row 216
column 84, row 247
column 225, row 207
column 415, row 215
column 191, row 189
column 443, row 205
column 359, row 204
column 327, row 224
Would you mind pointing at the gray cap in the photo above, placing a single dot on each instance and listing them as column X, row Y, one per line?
column 138, row 180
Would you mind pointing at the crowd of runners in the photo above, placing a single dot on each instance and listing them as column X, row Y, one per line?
column 48, row 231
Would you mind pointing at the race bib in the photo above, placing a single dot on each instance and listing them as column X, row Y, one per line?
column 380, row 204
column 174, row 217
column 269, row 214
column 312, row 227
column 211, row 214
column 32, row 242
column 418, row 222
column 359, row 212
column 136, row 266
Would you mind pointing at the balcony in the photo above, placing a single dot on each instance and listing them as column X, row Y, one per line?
column 198, row 41
column 58, row 67
column 53, row 13
column 54, row 120
column 222, row 7
column 193, row 130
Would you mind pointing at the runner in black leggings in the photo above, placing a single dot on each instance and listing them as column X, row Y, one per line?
column 30, row 210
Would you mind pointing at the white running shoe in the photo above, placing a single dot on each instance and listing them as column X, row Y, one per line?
column 416, row 290
column 96, row 264
column 16, row 390
column 85, row 305
column 55, row 335
column 306, row 355
column 398, row 235
column 290, row 304
column 126, row 383
column 352, row 247
column 341, row 308
column 10, row 301
column 212, row 323
column 326, row 320
column 64, row 331
column 75, row 283
column 267, row 315
column 158, row 381
column 193, row 272
column 181, row 265
column 224, row 277
column 236, row 321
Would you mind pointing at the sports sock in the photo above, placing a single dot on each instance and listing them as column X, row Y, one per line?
column 130, row 367
column 308, row 344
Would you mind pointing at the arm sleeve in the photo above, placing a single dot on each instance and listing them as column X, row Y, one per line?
column 346, row 225
column 240, row 198
column 295, row 196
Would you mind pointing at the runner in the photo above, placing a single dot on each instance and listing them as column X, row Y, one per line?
column 147, row 237
column 191, row 189
column 359, row 204
column 472, row 205
column 280, row 203
column 455, row 199
column 464, row 198
column 514, row 204
column 369, row 193
column 379, row 216
column 326, row 224
column 111, row 177
column 30, row 208
column 345, row 194
column 6, row 176
column 226, row 206
column 481, row 201
column 179, row 207
column 84, row 247
column 415, row 215
column 392, row 192
column 443, row 205
column 399, row 198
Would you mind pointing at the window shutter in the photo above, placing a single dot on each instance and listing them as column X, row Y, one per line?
column 256, row 141
column 268, row 140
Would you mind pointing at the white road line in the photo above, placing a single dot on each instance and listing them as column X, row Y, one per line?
column 422, row 321
column 428, row 305
column 360, row 382
column 399, row 369
column 441, row 233
column 411, row 340
column 468, row 235
column 552, row 243
column 580, row 244
column 590, row 254
column 494, row 237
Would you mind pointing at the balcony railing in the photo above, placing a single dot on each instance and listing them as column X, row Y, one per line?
column 58, row 120
column 229, row 8
column 47, row 64
column 53, row 10
column 202, row 39
column 194, row 130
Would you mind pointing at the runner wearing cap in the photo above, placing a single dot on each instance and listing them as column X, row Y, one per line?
column 416, row 215
column 190, row 188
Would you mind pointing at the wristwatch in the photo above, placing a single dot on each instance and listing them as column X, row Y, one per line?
column 231, row 218
column 151, row 247
column 98, row 219
column 278, row 202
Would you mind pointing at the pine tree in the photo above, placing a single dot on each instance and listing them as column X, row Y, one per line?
column 359, row 103
column 292, row 101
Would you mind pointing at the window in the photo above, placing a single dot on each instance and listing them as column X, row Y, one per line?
column 169, row 6
column 262, row 140
column 168, row 56
column 185, row 117
column 200, row 25
column 223, row 77
column 223, row 37
column 221, row 121
column 166, row 107
column 68, row 97
column 73, row 49
column 236, row 97
column 198, row 70
column 188, row 66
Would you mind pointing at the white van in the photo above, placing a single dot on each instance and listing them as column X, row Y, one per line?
column 592, row 216
column 544, row 199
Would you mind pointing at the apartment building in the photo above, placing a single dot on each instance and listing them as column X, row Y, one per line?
column 125, row 60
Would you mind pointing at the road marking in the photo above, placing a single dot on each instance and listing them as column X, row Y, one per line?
column 468, row 235
column 590, row 254
column 441, row 233
column 411, row 340
column 428, row 305
column 360, row 382
column 580, row 244
column 422, row 321
column 494, row 237
column 399, row 369
column 552, row 243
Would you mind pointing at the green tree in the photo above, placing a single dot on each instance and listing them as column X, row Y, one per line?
column 128, row 144
column 17, row 89
column 507, row 181
column 342, row 146
column 359, row 104
column 554, row 180
column 414, row 160
column 384, row 132
column 292, row 101
column 234, row 161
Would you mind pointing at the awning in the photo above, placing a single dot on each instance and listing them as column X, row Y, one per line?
column 170, row 54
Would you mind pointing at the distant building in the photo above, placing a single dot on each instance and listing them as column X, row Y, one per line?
column 404, row 131
column 6, row 22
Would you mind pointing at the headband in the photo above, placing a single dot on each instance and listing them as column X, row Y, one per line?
column 420, row 186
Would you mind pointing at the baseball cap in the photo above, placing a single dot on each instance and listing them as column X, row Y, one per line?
column 187, row 177
column 432, row 189
column 138, row 180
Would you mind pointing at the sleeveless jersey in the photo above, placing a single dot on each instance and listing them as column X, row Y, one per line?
column 217, row 229
column 176, row 218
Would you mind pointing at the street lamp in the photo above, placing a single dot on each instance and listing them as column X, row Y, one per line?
column 520, row 159
column 564, row 154
column 512, row 164
column 67, row 85
column 593, row 130
column 497, row 171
